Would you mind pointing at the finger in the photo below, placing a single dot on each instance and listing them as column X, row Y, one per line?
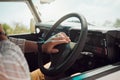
column 61, row 35
column 62, row 38
column 68, row 39
column 65, row 36
column 54, row 51
column 57, row 42
column 58, row 38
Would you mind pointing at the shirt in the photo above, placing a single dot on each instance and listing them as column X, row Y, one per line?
column 19, row 42
column 13, row 65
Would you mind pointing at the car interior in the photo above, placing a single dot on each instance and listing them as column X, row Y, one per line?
column 94, row 53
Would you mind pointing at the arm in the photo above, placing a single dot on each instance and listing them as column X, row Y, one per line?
column 48, row 46
column 13, row 64
column 31, row 46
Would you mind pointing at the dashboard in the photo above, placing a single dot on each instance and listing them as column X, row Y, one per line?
column 103, row 44
column 101, row 47
column 95, row 41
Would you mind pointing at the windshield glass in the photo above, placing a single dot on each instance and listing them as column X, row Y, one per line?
column 15, row 17
column 97, row 12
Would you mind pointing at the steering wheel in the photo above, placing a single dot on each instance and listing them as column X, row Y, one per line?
column 68, row 53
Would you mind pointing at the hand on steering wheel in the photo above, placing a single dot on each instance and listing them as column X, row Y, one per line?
column 49, row 45
column 67, row 55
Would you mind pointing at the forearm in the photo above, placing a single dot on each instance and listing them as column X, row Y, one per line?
column 31, row 46
column 26, row 46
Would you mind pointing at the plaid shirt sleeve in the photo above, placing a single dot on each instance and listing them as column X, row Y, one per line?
column 13, row 65
column 19, row 42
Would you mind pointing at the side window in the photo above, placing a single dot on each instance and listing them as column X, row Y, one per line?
column 15, row 17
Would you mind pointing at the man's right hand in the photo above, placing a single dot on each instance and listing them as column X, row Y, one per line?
column 49, row 45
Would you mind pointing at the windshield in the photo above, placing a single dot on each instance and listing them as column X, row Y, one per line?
column 97, row 12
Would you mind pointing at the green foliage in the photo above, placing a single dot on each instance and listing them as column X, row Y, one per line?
column 117, row 23
column 19, row 29
column 8, row 29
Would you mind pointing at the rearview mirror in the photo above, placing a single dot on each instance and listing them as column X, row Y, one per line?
column 46, row 1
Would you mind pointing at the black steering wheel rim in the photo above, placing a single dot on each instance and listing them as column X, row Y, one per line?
column 75, row 52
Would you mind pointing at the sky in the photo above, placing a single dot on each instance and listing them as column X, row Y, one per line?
column 14, row 13
column 95, row 11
